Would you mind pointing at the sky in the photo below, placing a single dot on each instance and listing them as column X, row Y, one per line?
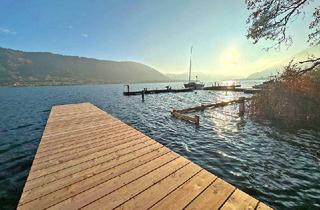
column 156, row 33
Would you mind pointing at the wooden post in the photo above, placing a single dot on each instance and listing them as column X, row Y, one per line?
column 128, row 88
column 142, row 95
column 241, row 106
column 197, row 120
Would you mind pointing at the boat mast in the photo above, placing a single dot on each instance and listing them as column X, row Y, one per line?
column 190, row 64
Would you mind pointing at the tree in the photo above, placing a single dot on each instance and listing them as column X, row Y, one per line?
column 293, row 99
column 269, row 20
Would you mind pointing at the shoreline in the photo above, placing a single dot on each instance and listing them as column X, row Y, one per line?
column 89, row 83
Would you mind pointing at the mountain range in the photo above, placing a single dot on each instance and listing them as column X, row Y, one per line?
column 19, row 68
column 43, row 68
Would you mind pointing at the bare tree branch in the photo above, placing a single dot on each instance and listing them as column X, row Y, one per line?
column 269, row 20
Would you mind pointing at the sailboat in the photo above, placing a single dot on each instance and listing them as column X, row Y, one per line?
column 193, row 84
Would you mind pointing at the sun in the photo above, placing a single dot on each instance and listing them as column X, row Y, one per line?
column 230, row 56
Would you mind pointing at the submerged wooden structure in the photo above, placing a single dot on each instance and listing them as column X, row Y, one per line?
column 90, row 160
column 202, row 107
column 181, row 113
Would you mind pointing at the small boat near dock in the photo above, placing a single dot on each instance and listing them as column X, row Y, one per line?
column 196, row 85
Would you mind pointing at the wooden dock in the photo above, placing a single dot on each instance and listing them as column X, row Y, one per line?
column 157, row 91
column 222, row 87
column 88, row 159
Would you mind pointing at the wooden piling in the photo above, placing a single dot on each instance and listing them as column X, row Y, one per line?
column 142, row 95
column 128, row 88
column 241, row 106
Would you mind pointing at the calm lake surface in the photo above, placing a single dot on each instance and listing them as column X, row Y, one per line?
column 280, row 168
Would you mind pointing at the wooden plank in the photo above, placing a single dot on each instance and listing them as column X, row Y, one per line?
column 96, row 139
column 74, row 139
column 89, row 159
column 111, row 177
column 83, row 198
column 123, row 194
column 87, row 179
column 78, row 153
column 67, row 128
column 83, row 142
column 152, row 195
column 121, row 156
column 183, row 195
column 74, row 162
column 240, row 201
column 262, row 206
column 63, row 133
column 59, row 137
column 55, row 139
column 60, row 122
column 213, row 197
column 35, row 173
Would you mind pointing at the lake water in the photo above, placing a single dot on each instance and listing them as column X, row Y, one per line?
column 279, row 168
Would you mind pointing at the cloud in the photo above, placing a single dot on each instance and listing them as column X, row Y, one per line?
column 7, row 31
column 84, row 35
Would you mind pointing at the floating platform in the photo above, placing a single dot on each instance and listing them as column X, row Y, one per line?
column 90, row 160
column 234, row 88
column 169, row 90
column 222, row 87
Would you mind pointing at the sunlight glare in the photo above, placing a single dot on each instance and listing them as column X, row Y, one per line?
column 230, row 56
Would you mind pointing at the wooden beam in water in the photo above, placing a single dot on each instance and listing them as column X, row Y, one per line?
column 202, row 107
column 187, row 118
column 88, row 159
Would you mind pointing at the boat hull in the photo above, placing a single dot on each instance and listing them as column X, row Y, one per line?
column 195, row 86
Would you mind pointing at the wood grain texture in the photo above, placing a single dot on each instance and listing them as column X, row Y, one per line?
column 88, row 159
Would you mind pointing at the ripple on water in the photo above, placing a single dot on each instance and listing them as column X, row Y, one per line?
column 279, row 168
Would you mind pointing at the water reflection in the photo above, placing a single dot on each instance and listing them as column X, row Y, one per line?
column 279, row 168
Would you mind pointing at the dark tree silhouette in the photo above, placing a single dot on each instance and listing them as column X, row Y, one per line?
column 292, row 99
column 269, row 20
